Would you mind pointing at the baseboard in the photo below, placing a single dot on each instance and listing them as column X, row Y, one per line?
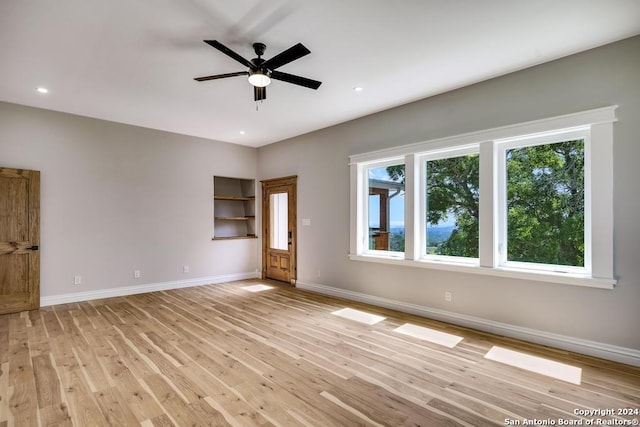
column 592, row 348
column 141, row 289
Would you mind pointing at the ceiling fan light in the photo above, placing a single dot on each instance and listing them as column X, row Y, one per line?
column 259, row 79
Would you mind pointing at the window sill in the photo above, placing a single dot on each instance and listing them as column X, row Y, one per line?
column 473, row 268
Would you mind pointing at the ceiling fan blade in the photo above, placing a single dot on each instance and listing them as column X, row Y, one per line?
column 221, row 76
column 222, row 48
column 291, row 54
column 259, row 93
column 296, row 80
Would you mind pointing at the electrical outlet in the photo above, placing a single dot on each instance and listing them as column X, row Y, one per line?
column 448, row 296
column 185, row 269
column 77, row 280
column 136, row 274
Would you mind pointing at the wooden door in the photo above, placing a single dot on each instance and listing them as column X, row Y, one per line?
column 279, row 226
column 19, row 240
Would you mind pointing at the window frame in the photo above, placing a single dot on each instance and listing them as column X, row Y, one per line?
column 597, row 124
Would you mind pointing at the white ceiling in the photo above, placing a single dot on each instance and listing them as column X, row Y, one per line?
column 133, row 61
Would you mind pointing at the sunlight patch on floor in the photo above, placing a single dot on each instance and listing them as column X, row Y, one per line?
column 540, row 365
column 257, row 288
column 427, row 334
column 358, row 316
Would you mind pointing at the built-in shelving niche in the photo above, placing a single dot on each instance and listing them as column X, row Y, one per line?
column 234, row 208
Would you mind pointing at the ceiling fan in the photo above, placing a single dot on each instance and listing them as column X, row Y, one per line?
column 261, row 71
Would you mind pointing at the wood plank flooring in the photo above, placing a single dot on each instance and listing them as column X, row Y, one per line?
column 219, row 355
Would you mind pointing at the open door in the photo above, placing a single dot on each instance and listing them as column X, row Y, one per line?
column 279, row 226
column 19, row 240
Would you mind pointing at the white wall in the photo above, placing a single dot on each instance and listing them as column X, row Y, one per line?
column 116, row 198
column 601, row 77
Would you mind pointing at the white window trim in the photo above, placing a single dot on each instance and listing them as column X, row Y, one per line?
column 600, row 124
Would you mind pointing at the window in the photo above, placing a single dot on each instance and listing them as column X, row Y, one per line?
column 531, row 201
column 385, row 219
column 543, row 207
column 279, row 217
column 452, row 184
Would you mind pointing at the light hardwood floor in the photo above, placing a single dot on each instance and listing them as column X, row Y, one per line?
column 220, row 355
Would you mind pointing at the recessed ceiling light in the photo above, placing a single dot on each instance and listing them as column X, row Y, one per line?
column 42, row 90
column 358, row 89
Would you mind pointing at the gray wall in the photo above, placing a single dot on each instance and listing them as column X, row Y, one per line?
column 600, row 77
column 116, row 198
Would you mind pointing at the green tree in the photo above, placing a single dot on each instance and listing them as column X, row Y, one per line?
column 545, row 203
column 396, row 241
column 452, row 189
column 396, row 173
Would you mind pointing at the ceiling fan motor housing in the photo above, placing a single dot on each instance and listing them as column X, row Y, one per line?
column 259, row 48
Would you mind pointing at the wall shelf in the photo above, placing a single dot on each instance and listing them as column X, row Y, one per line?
column 234, row 218
column 237, row 198
column 234, row 208
column 248, row 236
